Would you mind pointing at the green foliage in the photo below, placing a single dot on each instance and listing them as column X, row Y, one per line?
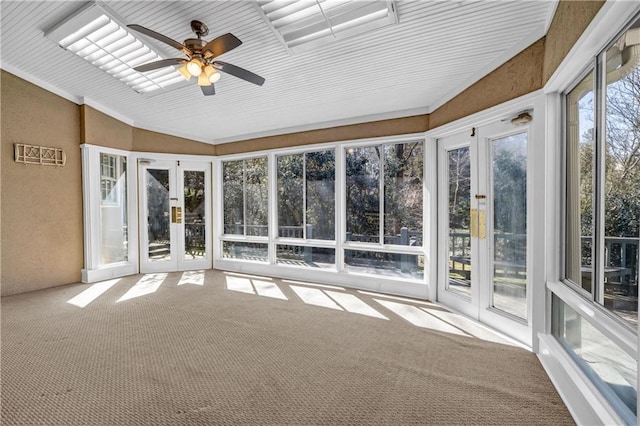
column 194, row 191
column 402, row 187
column 622, row 162
column 510, row 184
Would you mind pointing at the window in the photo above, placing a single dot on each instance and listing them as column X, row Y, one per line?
column 384, row 203
column 306, row 195
column 612, row 369
column 113, row 211
column 379, row 211
column 245, row 199
column 108, row 178
column 384, row 194
column 603, row 178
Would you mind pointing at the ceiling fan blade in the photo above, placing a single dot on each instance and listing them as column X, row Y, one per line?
column 208, row 90
column 220, row 45
column 171, row 42
column 159, row 64
column 239, row 72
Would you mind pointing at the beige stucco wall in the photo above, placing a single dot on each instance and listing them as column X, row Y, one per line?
column 147, row 141
column 397, row 126
column 568, row 24
column 518, row 76
column 41, row 205
column 101, row 129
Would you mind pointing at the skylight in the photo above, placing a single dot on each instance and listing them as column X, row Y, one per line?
column 97, row 37
column 304, row 24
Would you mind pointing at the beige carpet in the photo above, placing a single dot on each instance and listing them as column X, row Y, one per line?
column 234, row 351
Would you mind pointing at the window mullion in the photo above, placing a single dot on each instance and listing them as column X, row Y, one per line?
column 244, row 197
column 381, row 196
column 599, row 183
column 304, row 197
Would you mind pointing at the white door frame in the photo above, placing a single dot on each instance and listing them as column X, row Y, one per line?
column 460, row 302
column 176, row 168
column 537, row 190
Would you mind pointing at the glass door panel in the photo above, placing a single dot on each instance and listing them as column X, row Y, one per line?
column 457, row 244
column 509, row 186
column 158, row 210
column 175, row 214
column 459, row 205
column 195, row 214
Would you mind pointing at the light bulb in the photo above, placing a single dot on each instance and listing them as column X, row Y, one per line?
column 184, row 72
column 214, row 77
column 203, row 80
column 195, row 67
column 212, row 73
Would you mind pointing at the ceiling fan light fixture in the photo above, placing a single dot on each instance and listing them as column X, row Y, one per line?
column 203, row 80
column 212, row 74
column 195, row 67
column 184, row 71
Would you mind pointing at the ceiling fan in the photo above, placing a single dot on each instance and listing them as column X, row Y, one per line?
column 201, row 59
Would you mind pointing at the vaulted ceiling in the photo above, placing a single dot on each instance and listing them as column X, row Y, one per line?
column 437, row 49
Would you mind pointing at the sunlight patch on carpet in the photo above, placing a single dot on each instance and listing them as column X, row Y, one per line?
column 148, row 284
column 354, row 305
column 92, row 293
column 254, row 286
column 469, row 326
column 192, row 277
column 242, row 285
column 268, row 289
column 314, row 296
column 419, row 318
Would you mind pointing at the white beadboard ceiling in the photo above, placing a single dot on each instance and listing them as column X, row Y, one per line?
column 437, row 49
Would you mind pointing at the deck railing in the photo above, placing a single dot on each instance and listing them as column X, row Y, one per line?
column 622, row 255
column 406, row 237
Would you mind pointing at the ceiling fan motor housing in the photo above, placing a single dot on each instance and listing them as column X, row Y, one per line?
column 194, row 44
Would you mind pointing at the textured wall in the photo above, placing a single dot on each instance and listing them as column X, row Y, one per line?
column 396, row 126
column 518, row 76
column 101, row 129
column 147, row 141
column 41, row 205
column 569, row 22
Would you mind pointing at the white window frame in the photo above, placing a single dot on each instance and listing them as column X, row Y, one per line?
column 585, row 402
column 112, row 197
column 339, row 276
column 92, row 202
column 305, row 240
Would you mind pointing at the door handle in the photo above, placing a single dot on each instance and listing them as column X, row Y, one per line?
column 176, row 214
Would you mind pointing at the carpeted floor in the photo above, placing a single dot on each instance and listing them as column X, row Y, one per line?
column 229, row 349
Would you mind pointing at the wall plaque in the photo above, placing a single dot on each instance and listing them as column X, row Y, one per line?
column 34, row 154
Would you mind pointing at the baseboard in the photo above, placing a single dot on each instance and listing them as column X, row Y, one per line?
column 106, row 273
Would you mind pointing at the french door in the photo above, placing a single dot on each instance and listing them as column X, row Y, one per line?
column 482, row 226
column 175, row 215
